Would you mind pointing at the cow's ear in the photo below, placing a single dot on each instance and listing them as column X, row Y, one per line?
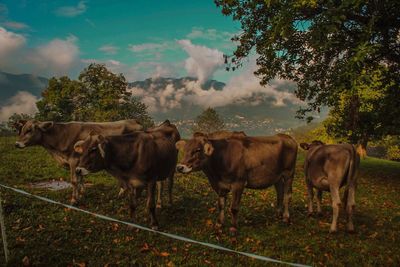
column 18, row 125
column 180, row 144
column 208, row 149
column 44, row 126
column 305, row 146
column 78, row 148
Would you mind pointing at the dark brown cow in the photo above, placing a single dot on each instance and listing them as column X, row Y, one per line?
column 168, row 130
column 139, row 160
column 328, row 168
column 59, row 139
column 235, row 163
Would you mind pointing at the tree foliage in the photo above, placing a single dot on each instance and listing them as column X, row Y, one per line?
column 97, row 95
column 324, row 46
column 208, row 121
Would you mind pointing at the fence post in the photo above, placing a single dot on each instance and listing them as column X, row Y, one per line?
column 3, row 231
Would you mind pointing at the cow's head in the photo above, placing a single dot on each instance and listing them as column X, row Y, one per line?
column 196, row 153
column 92, row 154
column 31, row 132
column 308, row 146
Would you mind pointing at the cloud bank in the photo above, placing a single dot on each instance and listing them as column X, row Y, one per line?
column 57, row 57
column 22, row 102
column 243, row 89
column 203, row 61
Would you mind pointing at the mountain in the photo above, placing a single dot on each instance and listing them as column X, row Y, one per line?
column 178, row 100
column 10, row 84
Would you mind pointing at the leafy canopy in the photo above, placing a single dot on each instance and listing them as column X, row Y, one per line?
column 324, row 46
column 97, row 95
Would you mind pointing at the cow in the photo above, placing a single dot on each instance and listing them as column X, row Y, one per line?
column 59, row 140
column 232, row 164
column 138, row 160
column 168, row 130
column 329, row 168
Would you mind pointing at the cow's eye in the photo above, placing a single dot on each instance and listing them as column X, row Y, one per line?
column 198, row 150
column 93, row 148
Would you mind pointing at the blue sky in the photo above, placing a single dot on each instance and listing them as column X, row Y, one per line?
column 138, row 38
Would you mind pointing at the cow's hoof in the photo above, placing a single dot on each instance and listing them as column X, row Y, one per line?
column 218, row 226
column 74, row 202
column 158, row 206
column 233, row 231
column 154, row 227
column 332, row 231
column 350, row 229
column 286, row 220
column 310, row 214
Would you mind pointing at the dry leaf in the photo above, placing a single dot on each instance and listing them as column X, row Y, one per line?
column 164, row 254
column 26, row 261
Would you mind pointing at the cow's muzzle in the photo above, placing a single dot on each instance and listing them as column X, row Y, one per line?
column 183, row 168
column 19, row 145
column 81, row 171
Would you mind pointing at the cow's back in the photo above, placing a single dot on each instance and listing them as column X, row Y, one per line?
column 327, row 160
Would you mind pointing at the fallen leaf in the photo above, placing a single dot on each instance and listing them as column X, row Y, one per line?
column 26, row 261
column 145, row 248
column 164, row 254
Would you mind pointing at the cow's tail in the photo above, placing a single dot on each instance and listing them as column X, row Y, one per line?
column 353, row 167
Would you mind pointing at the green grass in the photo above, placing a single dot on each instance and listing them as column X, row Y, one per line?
column 53, row 236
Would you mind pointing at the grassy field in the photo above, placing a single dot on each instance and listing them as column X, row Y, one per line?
column 49, row 235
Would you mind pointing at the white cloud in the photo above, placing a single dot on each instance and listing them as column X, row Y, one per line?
column 14, row 25
column 203, row 61
column 10, row 42
column 72, row 11
column 22, row 102
column 208, row 34
column 148, row 47
column 58, row 56
column 243, row 89
column 109, row 49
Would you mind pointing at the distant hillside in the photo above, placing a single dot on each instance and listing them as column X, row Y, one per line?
column 257, row 119
column 10, row 84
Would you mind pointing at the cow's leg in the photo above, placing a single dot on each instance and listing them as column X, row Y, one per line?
column 81, row 186
column 237, row 190
column 170, row 182
column 159, row 194
column 287, row 197
column 319, row 202
column 279, row 187
column 335, row 206
column 350, row 203
column 221, row 208
column 151, row 205
column 310, row 197
column 133, row 196
column 74, row 182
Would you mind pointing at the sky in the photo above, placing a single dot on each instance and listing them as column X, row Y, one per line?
column 138, row 38
column 141, row 39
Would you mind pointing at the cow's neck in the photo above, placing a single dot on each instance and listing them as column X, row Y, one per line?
column 52, row 143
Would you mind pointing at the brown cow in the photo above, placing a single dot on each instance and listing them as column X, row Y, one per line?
column 139, row 160
column 168, row 130
column 59, row 139
column 235, row 163
column 328, row 168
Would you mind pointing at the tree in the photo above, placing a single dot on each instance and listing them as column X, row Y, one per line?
column 208, row 121
column 97, row 95
column 15, row 118
column 59, row 100
column 361, row 115
column 323, row 46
